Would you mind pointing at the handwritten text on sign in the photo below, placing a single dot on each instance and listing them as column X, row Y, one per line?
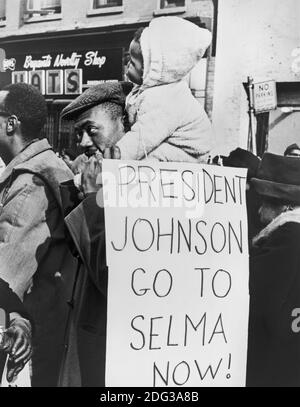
column 177, row 251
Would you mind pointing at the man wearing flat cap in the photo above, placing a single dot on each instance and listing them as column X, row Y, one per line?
column 273, row 347
column 99, row 116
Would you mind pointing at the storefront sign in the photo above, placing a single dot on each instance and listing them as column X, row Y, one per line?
column 177, row 253
column 55, row 81
column 265, row 96
column 91, row 58
column 9, row 64
column 66, row 74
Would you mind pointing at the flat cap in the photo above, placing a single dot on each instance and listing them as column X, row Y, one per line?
column 114, row 92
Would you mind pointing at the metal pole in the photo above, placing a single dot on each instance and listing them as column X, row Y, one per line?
column 251, row 135
column 252, row 112
column 249, row 142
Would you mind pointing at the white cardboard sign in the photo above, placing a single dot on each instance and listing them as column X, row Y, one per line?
column 177, row 251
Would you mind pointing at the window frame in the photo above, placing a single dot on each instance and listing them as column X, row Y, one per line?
column 41, row 17
column 104, row 10
column 169, row 10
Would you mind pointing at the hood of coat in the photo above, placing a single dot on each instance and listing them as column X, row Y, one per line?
column 283, row 218
column 39, row 159
column 171, row 48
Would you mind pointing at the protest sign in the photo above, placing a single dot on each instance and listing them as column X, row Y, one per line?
column 177, row 253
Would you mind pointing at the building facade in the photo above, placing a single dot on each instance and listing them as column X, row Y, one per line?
column 260, row 39
column 64, row 46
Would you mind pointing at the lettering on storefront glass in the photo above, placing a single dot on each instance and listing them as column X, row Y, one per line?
column 20, row 77
column 30, row 63
column 37, row 79
column 66, row 73
column 92, row 58
column 73, row 81
column 54, row 82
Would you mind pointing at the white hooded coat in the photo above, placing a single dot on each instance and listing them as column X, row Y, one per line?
column 168, row 123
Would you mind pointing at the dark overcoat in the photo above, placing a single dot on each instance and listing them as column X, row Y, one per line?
column 274, row 334
column 84, row 364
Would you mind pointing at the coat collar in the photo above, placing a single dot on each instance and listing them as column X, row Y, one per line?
column 29, row 152
column 285, row 217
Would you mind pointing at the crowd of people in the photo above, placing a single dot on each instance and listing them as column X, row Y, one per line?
column 53, row 269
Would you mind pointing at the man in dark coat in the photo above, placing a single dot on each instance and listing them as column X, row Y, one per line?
column 99, row 123
column 241, row 158
column 273, row 348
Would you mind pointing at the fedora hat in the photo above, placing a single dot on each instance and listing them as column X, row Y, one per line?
column 278, row 177
column 242, row 159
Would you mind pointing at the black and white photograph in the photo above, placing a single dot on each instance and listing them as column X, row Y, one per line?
column 149, row 196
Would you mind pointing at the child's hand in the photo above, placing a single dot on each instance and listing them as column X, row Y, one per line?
column 91, row 180
column 91, row 175
column 20, row 336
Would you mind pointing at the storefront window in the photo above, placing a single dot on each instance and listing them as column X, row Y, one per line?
column 2, row 11
column 106, row 3
column 171, row 3
column 43, row 7
column 98, row 7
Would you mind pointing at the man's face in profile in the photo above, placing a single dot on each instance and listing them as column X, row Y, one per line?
column 96, row 130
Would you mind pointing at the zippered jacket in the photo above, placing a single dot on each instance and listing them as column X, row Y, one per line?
column 34, row 256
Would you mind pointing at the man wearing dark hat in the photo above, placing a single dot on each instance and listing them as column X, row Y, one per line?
column 241, row 158
column 273, row 347
column 292, row 151
column 99, row 115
